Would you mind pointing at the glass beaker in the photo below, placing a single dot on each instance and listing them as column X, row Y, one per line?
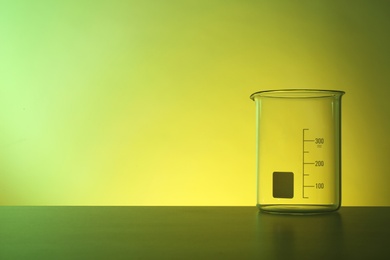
column 298, row 150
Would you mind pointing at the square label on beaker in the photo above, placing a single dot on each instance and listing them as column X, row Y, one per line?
column 283, row 185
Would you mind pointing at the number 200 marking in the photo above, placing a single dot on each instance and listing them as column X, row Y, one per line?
column 319, row 163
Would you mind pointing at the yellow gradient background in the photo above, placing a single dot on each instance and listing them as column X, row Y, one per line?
column 147, row 102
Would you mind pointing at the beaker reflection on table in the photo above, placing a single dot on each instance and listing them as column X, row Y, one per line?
column 301, row 236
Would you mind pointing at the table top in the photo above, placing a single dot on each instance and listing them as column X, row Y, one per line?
column 191, row 233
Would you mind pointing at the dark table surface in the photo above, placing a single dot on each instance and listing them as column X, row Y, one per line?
column 191, row 233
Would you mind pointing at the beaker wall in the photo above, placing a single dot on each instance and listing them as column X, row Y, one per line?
column 298, row 150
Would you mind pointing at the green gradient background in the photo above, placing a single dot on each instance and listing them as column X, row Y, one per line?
column 147, row 102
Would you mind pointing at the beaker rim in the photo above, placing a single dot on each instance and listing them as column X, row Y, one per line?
column 298, row 93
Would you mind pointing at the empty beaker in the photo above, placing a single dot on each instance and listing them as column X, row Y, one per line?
column 298, row 150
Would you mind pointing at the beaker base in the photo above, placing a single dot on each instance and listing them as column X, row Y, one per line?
column 297, row 209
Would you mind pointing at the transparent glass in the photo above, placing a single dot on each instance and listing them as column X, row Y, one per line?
column 298, row 150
